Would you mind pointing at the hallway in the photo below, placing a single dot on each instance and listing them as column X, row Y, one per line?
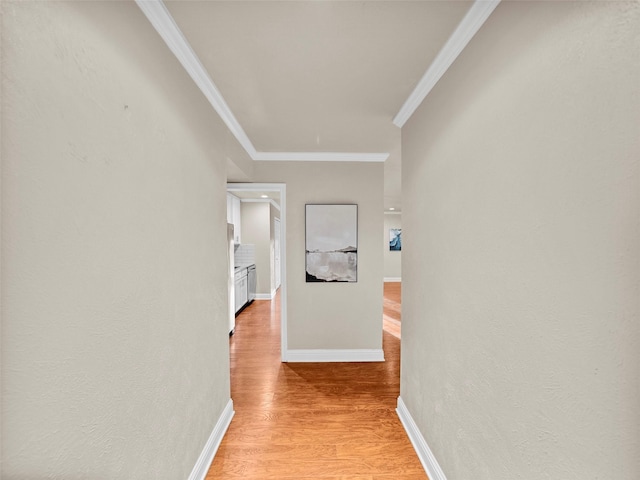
column 333, row 421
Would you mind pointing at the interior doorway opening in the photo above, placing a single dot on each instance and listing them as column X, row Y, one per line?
column 273, row 194
column 392, row 308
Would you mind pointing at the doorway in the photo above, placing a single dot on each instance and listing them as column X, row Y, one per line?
column 277, row 230
column 392, row 308
column 276, row 193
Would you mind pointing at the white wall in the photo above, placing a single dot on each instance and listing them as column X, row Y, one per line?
column 332, row 316
column 521, row 266
column 114, row 305
column 256, row 230
column 392, row 259
column 273, row 214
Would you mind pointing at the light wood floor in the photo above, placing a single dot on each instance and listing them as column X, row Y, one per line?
column 391, row 312
column 330, row 421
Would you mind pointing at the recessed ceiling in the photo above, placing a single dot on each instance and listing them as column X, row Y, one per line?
column 319, row 76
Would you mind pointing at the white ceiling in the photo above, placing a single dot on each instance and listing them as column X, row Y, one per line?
column 319, row 76
column 258, row 195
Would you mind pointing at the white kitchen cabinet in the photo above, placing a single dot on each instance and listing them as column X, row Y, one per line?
column 233, row 216
column 241, row 292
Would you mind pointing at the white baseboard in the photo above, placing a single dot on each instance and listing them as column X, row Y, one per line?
column 265, row 296
column 392, row 279
column 428, row 460
column 318, row 355
column 203, row 464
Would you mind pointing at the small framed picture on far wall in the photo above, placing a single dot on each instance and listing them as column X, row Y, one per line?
column 395, row 239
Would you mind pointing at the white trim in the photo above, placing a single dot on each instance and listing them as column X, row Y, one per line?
column 264, row 296
column 428, row 460
column 166, row 26
column 203, row 464
column 281, row 188
column 320, row 157
column 319, row 355
column 392, row 279
column 157, row 13
column 283, row 273
column 254, row 187
column 462, row 35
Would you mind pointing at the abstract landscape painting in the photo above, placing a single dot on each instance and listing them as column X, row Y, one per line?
column 331, row 243
column 395, row 239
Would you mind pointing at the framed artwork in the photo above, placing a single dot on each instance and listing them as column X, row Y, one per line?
column 331, row 237
column 395, row 239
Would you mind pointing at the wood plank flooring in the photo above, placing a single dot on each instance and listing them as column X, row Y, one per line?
column 329, row 421
column 391, row 312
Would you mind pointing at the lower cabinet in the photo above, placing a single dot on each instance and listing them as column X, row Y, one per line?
column 241, row 289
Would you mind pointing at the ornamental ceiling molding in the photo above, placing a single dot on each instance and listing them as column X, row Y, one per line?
column 461, row 36
column 157, row 13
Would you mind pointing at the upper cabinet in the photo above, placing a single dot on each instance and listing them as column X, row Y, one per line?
column 233, row 216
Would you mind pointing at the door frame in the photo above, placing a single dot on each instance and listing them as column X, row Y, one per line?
column 277, row 231
column 281, row 188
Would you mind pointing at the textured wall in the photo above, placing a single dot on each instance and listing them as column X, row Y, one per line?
column 521, row 266
column 392, row 259
column 332, row 315
column 114, row 304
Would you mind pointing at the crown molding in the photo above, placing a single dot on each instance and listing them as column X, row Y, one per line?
column 157, row 13
column 462, row 35
column 320, row 157
column 166, row 26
